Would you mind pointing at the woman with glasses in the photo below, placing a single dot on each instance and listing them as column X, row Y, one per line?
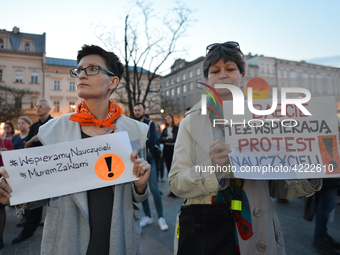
column 222, row 214
column 104, row 220
column 19, row 140
column 168, row 138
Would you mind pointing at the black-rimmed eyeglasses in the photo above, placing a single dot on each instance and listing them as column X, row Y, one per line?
column 89, row 71
column 229, row 44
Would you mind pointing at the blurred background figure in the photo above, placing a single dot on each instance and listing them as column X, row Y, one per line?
column 159, row 157
column 8, row 130
column 168, row 138
column 5, row 145
column 19, row 140
column 326, row 198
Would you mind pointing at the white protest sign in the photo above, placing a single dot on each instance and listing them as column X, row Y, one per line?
column 69, row 167
column 294, row 146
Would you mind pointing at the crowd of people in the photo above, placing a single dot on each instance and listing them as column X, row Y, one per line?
column 208, row 223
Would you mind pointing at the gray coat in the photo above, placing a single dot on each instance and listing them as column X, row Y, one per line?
column 66, row 228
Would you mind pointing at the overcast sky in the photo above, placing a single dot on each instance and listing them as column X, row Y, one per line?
column 290, row 29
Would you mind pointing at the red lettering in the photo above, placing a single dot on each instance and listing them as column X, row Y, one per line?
column 242, row 143
column 253, row 143
column 277, row 139
column 289, row 144
column 269, row 144
column 302, row 143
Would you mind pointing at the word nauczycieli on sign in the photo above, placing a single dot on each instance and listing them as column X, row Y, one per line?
column 291, row 146
column 69, row 167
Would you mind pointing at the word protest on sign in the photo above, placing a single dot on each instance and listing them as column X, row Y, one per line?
column 69, row 167
column 290, row 146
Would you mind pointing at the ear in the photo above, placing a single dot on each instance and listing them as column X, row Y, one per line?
column 114, row 82
column 243, row 76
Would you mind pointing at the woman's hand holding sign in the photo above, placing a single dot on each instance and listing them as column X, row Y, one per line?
column 5, row 189
column 141, row 169
column 218, row 153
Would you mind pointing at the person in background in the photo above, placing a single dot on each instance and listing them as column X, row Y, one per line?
column 326, row 198
column 19, row 140
column 33, row 217
column 8, row 130
column 139, row 112
column 159, row 158
column 168, row 138
column 5, row 145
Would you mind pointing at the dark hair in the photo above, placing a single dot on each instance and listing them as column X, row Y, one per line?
column 146, row 116
column 142, row 104
column 112, row 62
column 173, row 120
column 227, row 54
column 11, row 125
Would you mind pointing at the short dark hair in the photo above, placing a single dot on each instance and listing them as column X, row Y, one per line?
column 112, row 61
column 228, row 55
column 142, row 104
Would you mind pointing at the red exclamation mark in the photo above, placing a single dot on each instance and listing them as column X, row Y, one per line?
column 108, row 163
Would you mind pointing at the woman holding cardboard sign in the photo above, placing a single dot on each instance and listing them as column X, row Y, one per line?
column 105, row 220
column 223, row 214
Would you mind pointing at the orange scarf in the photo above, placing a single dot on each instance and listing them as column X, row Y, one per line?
column 85, row 118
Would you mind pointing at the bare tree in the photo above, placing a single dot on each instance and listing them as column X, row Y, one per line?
column 11, row 102
column 145, row 52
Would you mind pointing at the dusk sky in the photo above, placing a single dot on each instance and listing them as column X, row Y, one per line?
column 293, row 30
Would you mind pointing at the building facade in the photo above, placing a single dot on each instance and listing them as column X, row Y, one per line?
column 24, row 65
column 180, row 86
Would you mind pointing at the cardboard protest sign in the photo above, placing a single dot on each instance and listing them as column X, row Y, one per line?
column 294, row 146
column 69, row 167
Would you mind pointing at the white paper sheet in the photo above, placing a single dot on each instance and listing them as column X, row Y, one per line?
column 309, row 150
column 69, row 167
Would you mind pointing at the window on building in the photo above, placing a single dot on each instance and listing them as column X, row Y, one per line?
column 27, row 47
column 1, row 75
column 172, row 92
column 18, row 103
column 167, row 83
column 56, row 106
column 56, row 85
column 191, row 85
column 34, row 77
column 190, row 74
column 167, row 93
column 19, row 76
column 72, row 86
column 1, row 44
column 184, row 77
column 178, row 90
column 72, row 106
column 177, row 79
column 184, row 88
column 198, row 71
column 172, row 81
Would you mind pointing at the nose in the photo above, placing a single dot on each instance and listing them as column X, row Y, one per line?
column 82, row 74
column 223, row 74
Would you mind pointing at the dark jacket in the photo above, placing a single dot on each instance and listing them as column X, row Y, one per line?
column 162, row 138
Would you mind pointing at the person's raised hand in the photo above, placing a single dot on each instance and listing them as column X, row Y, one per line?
column 218, row 153
column 141, row 169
